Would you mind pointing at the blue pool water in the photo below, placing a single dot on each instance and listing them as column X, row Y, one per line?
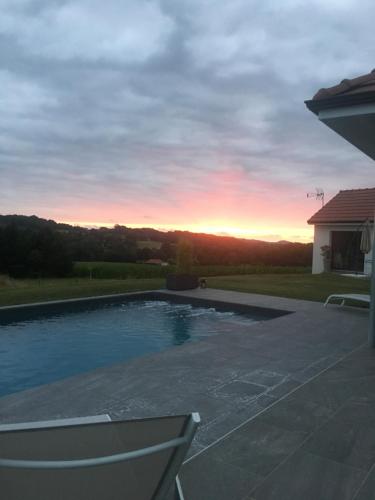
column 48, row 346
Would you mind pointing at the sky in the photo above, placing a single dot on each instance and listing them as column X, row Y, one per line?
column 177, row 114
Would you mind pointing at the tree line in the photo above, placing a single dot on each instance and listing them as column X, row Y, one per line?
column 35, row 247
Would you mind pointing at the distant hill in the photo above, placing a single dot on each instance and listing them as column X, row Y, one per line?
column 124, row 244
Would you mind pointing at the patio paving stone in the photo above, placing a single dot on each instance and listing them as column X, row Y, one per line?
column 308, row 477
column 367, row 489
column 297, row 414
column 266, row 378
column 258, row 447
column 209, row 477
column 345, row 442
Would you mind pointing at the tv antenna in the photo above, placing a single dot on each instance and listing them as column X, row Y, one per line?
column 318, row 195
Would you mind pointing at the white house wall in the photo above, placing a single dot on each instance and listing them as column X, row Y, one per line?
column 322, row 236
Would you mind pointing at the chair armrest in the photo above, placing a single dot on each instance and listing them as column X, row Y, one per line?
column 94, row 419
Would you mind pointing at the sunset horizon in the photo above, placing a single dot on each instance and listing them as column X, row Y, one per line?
column 236, row 232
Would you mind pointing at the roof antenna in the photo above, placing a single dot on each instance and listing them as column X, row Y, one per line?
column 318, row 195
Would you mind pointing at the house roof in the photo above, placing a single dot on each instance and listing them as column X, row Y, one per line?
column 363, row 83
column 353, row 205
column 360, row 90
column 153, row 261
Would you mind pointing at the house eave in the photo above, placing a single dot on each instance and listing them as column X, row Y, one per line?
column 340, row 101
column 338, row 223
column 351, row 116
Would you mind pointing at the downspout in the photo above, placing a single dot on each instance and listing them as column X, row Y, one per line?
column 371, row 333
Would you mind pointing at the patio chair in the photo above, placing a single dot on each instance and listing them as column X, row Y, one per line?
column 95, row 458
column 348, row 296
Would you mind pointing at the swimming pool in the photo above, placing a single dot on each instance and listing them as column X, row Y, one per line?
column 39, row 345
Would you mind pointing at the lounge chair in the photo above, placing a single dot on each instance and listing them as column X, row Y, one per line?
column 348, row 296
column 95, row 458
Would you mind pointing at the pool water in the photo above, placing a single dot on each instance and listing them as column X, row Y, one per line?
column 45, row 347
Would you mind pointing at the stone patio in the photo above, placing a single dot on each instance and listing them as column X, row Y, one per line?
column 287, row 404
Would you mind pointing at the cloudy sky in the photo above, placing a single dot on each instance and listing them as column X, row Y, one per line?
column 177, row 113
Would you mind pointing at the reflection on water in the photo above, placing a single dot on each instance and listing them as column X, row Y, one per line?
column 181, row 327
column 51, row 346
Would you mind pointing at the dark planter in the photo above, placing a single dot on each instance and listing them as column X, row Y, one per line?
column 182, row 281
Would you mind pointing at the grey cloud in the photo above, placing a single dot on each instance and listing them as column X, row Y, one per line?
column 130, row 96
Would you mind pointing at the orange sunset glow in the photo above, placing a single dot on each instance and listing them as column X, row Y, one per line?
column 302, row 235
column 195, row 120
column 230, row 202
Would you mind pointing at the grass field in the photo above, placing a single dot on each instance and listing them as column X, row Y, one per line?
column 119, row 270
column 298, row 286
column 124, row 270
column 315, row 287
column 26, row 291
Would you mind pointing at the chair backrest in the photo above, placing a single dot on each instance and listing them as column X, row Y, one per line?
column 133, row 459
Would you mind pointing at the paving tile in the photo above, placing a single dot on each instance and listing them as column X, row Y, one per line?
column 287, row 365
column 266, row 400
column 240, row 390
column 345, row 442
column 351, row 368
column 258, row 447
column 264, row 377
column 207, row 478
column 284, row 388
column 367, row 489
column 365, row 352
column 308, row 477
column 315, row 368
column 195, row 448
column 297, row 346
column 331, row 394
column 363, row 389
column 208, row 405
column 227, row 421
column 364, row 398
column 358, row 412
column 296, row 414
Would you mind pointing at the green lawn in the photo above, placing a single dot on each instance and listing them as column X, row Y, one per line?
column 297, row 286
column 126, row 270
column 119, row 270
column 25, row 291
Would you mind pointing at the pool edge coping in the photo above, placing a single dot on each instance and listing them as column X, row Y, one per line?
column 78, row 299
column 270, row 311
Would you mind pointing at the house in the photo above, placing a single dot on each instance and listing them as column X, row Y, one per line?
column 349, row 109
column 339, row 225
column 156, row 262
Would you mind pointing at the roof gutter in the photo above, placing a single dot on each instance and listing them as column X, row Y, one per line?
column 336, row 222
column 317, row 105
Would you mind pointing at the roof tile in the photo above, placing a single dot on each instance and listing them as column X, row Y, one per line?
column 365, row 83
column 354, row 205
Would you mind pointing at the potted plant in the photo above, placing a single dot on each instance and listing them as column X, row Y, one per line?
column 183, row 279
column 325, row 252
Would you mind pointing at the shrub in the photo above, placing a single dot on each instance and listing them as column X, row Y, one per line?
column 184, row 257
